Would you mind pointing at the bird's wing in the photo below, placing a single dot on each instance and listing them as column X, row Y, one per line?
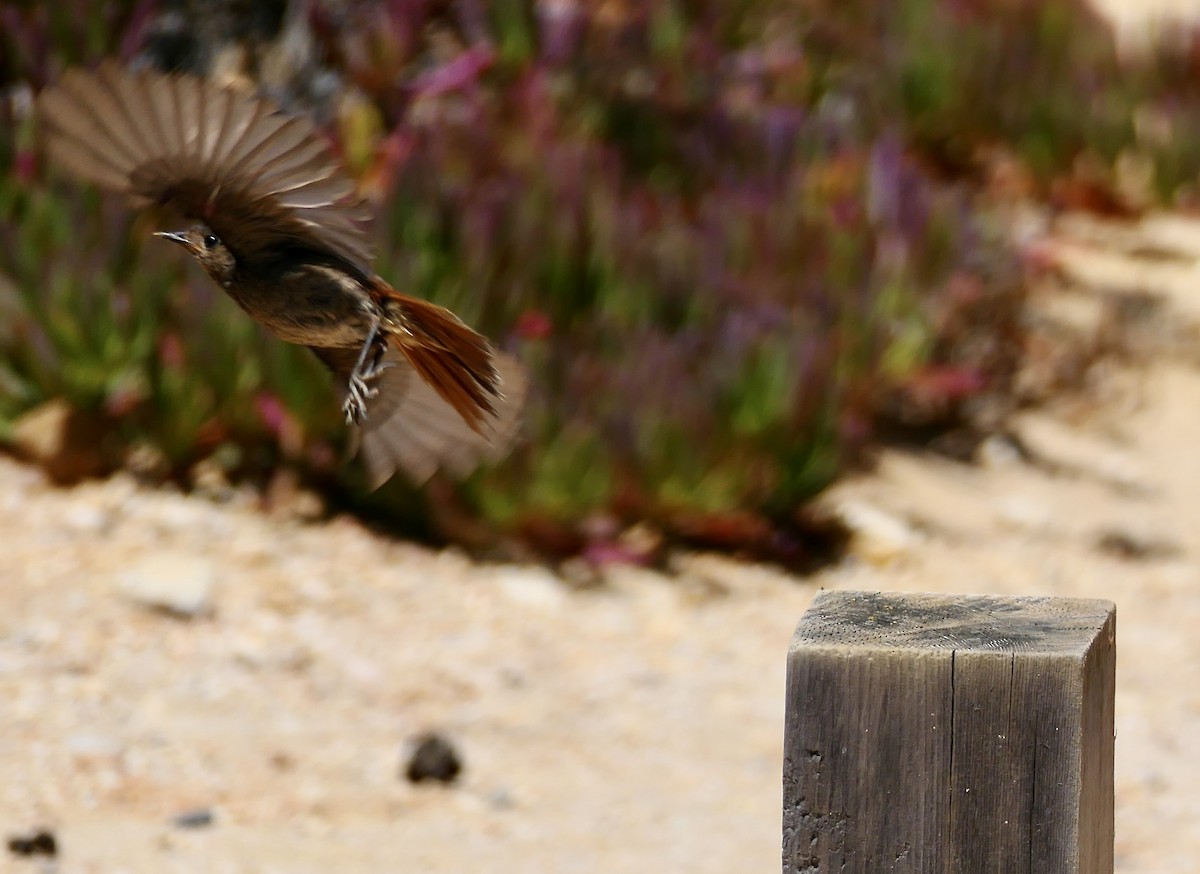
column 410, row 427
column 258, row 177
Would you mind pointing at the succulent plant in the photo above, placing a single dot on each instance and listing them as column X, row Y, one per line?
column 728, row 239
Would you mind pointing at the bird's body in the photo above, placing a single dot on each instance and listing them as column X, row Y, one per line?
column 326, row 305
column 303, row 296
column 275, row 225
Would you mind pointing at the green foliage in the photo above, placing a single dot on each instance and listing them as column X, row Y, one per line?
column 120, row 334
column 709, row 230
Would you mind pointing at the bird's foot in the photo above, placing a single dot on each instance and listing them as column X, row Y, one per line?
column 358, row 392
column 366, row 370
column 376, row 365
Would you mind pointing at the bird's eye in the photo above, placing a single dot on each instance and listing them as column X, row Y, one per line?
column 210, row 241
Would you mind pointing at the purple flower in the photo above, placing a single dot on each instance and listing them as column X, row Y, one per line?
column 272, row 412
column 455, row 75
column 561, row 24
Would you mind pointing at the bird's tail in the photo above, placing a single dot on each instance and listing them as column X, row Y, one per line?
column 409, row 427
column 456, row 361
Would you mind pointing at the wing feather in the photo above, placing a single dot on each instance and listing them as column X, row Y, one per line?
column 141, row 109
column 265, row 137
column 292, row 173
column 189, row 104
column 80, row 159
column 170, row 114
column 239, row 117
column 410, row 428
column 81, row 111
column 258, row 177
column 321, row 192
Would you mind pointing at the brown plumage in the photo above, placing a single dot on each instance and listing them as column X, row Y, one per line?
column 276, row 224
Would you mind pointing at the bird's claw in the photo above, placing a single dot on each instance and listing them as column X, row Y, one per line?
column 368, row 368
column 376, row 367
column 357, row 394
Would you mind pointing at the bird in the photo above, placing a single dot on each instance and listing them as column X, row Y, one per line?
column 275, row 221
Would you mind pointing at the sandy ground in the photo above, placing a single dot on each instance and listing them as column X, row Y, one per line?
column 634, row 727
column 1136, row 20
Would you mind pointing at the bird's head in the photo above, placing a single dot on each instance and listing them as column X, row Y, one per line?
column 207, row 248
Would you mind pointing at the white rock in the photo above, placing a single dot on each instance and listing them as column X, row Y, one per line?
column 1025, row 513
column 878, row 536
column 85, row 518
column 530, row 587
column 180, row 583
column 88, row 745
column 272, row 656
column 998, row 451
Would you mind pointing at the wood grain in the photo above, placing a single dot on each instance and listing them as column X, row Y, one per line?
column 933, row 733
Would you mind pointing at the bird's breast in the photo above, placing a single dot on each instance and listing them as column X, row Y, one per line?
column 315, row 305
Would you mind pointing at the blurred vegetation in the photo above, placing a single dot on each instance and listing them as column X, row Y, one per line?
column 729, row 239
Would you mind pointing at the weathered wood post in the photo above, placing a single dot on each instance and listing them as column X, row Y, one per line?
column 950, row 734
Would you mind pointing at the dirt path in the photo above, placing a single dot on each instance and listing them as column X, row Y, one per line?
column 631, row 728
column 1108, row 505
column 1136, row 21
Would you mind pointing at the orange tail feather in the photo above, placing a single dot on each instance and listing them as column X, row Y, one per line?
column 454, row 359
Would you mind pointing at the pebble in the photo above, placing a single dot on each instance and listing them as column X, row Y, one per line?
column 89, row 745
column 530, row 587
column 1025, row 513
column 86, row 518
column 268, row 656
column 1135, row 547
column 501, row 799
column 179, row 583
column 878, row 537
column 434, row 758
column 998, row 451
column 38, row 843
column 201, row 817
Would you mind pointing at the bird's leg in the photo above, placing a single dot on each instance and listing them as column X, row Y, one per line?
column 372, row 363
column 369, row 365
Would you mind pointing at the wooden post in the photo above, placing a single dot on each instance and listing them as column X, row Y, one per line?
column 950, row 734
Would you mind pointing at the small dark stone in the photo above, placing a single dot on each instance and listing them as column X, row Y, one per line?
column 433, row 758
column 201, row 817
column 1123, row 545
column 38, row 843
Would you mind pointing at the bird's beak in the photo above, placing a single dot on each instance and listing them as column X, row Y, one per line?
column 174, row 236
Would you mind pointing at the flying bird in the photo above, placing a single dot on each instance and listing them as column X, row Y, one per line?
column 276, row 223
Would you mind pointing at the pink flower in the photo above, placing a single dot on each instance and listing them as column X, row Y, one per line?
column 534, row 325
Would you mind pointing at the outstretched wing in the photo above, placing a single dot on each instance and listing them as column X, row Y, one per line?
column 258, row 177
column 410, row 427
